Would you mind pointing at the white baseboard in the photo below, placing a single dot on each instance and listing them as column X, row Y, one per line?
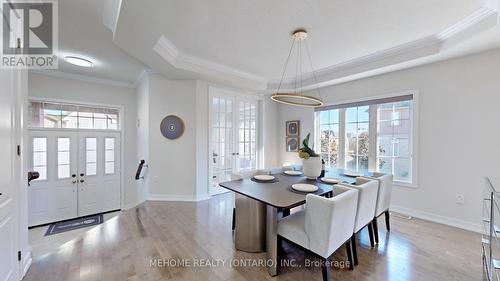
column 26, row 263
column 132, row 205
column 179, row 198
column 438, row 218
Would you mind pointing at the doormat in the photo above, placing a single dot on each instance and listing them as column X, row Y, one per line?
column 68, row 225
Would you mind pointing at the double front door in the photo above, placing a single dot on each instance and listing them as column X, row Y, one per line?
column 234, row 136
column 79, row 174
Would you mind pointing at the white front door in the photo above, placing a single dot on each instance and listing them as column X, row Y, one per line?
column 79, row 174
column 53, row 196
column 99, row 173
column 233, row 136
column 9, row 171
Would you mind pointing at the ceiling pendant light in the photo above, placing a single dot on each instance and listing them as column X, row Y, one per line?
column 296, row 98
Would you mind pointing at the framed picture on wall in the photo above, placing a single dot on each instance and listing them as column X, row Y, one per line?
column 293, row 128
column 292, row 144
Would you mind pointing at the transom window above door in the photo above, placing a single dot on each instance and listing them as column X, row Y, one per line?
column 72, row 116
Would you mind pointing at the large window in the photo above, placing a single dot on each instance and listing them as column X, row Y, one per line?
column 394, row 139
column 70, row 116
column 329, row 132
column 371, row 135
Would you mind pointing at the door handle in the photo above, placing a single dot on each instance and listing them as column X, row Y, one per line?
column 73, row 182
column 82, row 174
column 82, row 181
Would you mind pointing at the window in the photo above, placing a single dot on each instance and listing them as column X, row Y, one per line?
column 109, row 156
column 329, row 136
column 59, row 115
column 40, row 157
column 371, row 135
column 63, row 158
column 90, row 156
column 394, row 139
column 357, row 141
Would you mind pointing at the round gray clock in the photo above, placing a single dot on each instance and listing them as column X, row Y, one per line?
column 172, row 127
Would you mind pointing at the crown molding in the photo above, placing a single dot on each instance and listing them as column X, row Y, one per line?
column 168, row 51
column 84, row 78
column 478, row 21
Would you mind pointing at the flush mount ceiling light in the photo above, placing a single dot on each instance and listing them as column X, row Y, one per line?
column 78, row 61
column 296, row 98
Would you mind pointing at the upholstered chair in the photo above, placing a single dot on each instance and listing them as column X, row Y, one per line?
column 383, row 200
column 324, row 226
column 367, row 201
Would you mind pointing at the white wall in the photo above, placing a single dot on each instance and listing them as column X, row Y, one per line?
column 458, row 133
column 142, row 99
column 71, row 90
column 172, row 163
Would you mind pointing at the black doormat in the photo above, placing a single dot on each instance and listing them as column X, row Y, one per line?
column 68, row 225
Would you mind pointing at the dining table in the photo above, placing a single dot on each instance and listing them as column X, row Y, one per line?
column 279, row 198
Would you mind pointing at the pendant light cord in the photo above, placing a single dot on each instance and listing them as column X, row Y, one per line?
column 313, row 72
column 286, row 65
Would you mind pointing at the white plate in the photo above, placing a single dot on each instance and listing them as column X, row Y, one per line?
column 304, row 187
column 353, row 174
column 264, row 177
column 331, row 180
column 293, row 173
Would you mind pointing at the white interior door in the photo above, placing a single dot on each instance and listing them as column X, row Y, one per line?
column 99, row 172
column 233, row 136
column 247, row 135
column 222, row 142
column 53, row 196
column 9, row 171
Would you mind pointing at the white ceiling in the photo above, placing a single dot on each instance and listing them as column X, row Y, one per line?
column 254, row 36
column 82, row 33
column 245, row 43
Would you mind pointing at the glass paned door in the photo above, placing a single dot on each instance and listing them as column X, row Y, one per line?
column 233, row 138
column 222, row 143
column 247, row 143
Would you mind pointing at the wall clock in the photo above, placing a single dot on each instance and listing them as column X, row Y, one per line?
column 172, row 127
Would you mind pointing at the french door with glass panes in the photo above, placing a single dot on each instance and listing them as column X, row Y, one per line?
column 233, row 137
column 79, row 174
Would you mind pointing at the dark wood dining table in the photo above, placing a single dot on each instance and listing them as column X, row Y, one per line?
column 278, row 196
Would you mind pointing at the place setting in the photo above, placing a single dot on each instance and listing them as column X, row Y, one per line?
column 264, row 178
column 293, row 173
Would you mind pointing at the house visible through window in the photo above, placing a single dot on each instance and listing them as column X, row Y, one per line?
column 371, row 135
column 69, row 116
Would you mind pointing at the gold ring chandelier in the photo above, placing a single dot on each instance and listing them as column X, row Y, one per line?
column 296, row 98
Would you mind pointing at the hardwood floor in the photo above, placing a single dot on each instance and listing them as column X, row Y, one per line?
column 123, row 247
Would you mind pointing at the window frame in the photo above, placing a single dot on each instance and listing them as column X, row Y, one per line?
column 373, row 134
column 118, row 108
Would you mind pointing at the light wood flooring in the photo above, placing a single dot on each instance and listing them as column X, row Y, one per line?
column 123, row 246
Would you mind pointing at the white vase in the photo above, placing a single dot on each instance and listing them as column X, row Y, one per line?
column 312, row 167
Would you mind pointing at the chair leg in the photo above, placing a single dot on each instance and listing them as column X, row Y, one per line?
column 354, row 251
column 387, row 223
column 349, row 254
column 286, row 212
column 234, row 219
column 324, row 270
column 370, row 233
column 375, row 229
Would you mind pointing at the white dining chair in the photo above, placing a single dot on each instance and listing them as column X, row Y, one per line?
column 324, row 226
column 383, row 200
column 367, row 201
